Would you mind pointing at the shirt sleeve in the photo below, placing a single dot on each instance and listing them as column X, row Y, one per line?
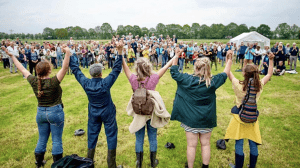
column 177, row 76
column 133, row 81
column 112, row 77
column 219, row 79
column 31, row 79
column 55, row 81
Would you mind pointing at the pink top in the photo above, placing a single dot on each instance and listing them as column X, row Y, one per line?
column 152, row 82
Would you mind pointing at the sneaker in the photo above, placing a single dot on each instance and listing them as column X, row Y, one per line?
column 79, row 132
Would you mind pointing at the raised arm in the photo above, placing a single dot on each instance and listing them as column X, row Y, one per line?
column 24, row 71
column 62, row 72
column 229, row 62
column 163, row 70
column 266, row 79
column 126, row 69
column 113, row 75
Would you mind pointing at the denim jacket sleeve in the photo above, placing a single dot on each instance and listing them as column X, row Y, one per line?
column 112, row 77
column 80, row 77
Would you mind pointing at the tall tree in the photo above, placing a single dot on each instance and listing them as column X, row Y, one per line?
column 294, row 31
column 252, row 28
column 92, row 33
column 77, row 32
column 161, row 29
column 283, row 30
column 217, row 31
column 106, row 31
column 152, row 30
column 195, row 30
column 204, row 31
column 242, row 28
column 137, row 30
column 145, row 31
column 61, row 33
column 129, row 29
column 48, row 33
column 121, row 30
column 264, row 30
column 231, row 29
column 187, row 31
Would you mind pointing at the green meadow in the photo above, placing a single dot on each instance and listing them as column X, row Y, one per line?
column 279, row 123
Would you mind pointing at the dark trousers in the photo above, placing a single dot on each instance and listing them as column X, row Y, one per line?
column 53, row 61
column 31, row 67
column 256, row 60
column 94, row 127
column 5, row 63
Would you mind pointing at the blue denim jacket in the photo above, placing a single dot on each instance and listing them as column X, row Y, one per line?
column 97, row 89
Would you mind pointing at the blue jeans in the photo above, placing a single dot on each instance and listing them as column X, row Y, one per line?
column 59, row 60
column 85, row 62
column 53, row 61
column 164, row 60
column 50, row 119
column 110, row 62
column 181, row 62
column 24, row 65
column 256, row 60
column 152, row 137
column 94, row 127
column 239, row 147
column 223, row 61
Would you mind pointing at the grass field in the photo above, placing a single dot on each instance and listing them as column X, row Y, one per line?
column 279, row 124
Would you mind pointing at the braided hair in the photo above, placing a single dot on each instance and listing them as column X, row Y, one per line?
column 202, row 70
column 42, row 68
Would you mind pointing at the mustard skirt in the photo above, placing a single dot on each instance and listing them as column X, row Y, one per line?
column 237, row 130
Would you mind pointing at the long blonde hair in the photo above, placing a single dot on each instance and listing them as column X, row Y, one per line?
column 143, row 68
column 202, row 70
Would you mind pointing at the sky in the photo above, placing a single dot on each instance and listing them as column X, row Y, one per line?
column 32, row 16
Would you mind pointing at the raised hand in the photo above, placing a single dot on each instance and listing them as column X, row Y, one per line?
column 65, row 48
column 120, row 47
column 6, row 51
column 271, row 56
column 229, row 55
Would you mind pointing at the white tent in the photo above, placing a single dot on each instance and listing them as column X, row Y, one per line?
column 251, row 37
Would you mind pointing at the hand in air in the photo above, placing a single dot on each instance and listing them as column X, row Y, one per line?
column 271, row 56
column 65, row 48
column 6, row 51
column 119, row 47
column 229, row 55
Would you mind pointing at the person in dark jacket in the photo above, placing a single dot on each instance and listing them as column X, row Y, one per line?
column 101, row 107
column 195, row 104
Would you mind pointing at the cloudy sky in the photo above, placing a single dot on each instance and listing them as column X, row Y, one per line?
column 32, row 16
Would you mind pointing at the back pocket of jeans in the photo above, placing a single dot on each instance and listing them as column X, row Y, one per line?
column 56, row 117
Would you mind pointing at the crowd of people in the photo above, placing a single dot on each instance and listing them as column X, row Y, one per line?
column 158, row 50
column 195, row 99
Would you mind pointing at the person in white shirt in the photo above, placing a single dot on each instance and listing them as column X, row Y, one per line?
column 11, row 63
column 53, row 57
column 257, row 56
column 4, row 58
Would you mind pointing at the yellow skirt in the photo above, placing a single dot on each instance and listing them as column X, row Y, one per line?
column 237, row 130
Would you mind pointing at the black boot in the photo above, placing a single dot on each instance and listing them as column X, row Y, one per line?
column 57, row 157
column 111, row 159
column 253, row 160
column 204, row 166
column 39, row 157
column 139, row 159
column 154, row 161
column 239, row 161
column 91, row 153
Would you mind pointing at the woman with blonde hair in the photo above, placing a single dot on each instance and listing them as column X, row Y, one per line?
column 237, row 129
column 147, row 78
column 195, row 104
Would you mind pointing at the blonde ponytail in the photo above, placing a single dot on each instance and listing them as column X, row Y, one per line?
column 202, row 70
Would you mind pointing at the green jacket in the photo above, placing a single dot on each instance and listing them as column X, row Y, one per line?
column 195, row 104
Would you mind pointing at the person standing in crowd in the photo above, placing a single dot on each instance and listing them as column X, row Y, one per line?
column 195, row 104
column 224, row 52
column 274, row 50
column 108, row 52
column 213, row 57
column 59, row 55
column 293, row 58
column 22, row 59
column 101, row 108
column 149, row 79
column 181, row 59
column 195, row 56
column 279, row 55
column 239, row 130
column 257, row 56
column 249, row 54
column 33, row 61
column 266, row 61
column 84, row 52
column 53, row 57
column 189, row 52
column 134, row 46
column 5, row 58
column 10, row 48
column 242, row 51
column 165, row 55
column 131, row 56
column 50, row 114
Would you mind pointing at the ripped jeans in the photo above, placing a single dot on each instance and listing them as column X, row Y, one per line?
column 50, row 119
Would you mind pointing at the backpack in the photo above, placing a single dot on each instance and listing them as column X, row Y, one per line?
column 141, row 100
column 248, row 111
column 73, row 161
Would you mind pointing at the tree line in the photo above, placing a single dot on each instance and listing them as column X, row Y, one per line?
column 196, row 31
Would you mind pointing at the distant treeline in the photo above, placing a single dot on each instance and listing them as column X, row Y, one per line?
column 196, row 31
